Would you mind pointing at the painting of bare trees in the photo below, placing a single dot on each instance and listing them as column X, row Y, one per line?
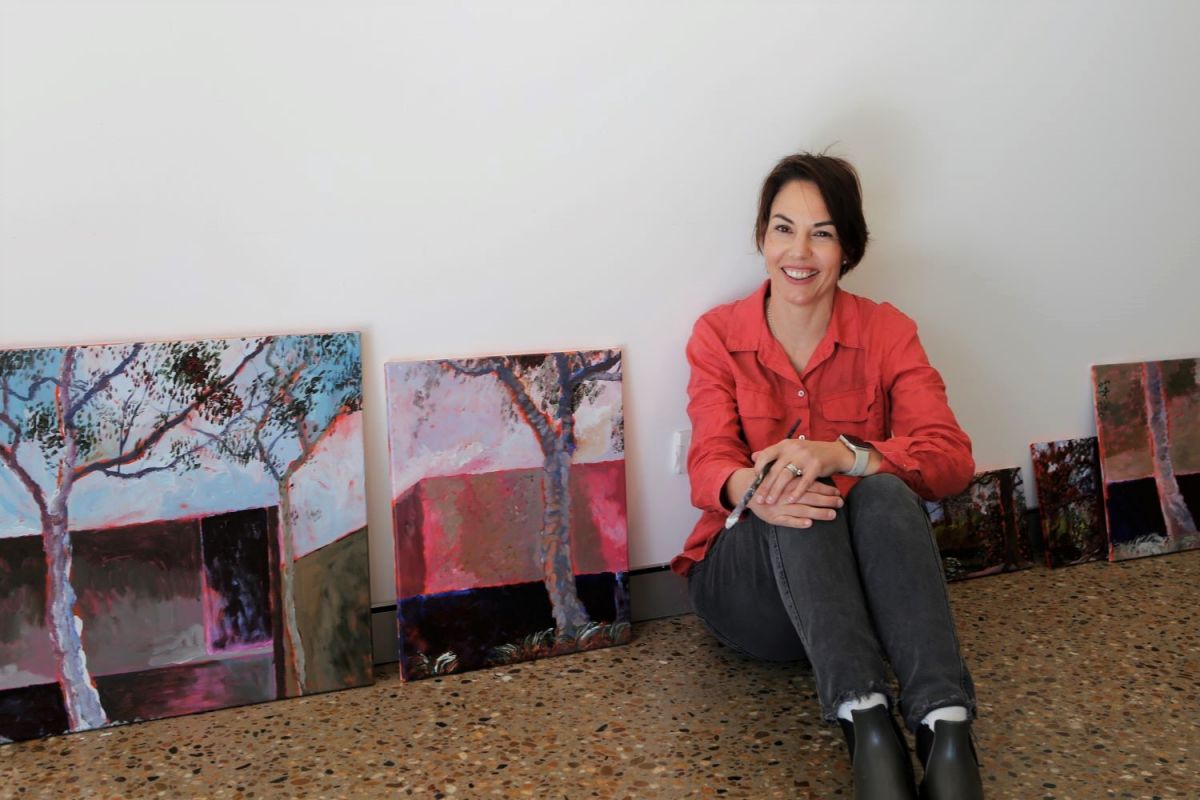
column 1148, row 426
column 182, row 527
column 1070, row 505
column 508, row 497
column 981, row 530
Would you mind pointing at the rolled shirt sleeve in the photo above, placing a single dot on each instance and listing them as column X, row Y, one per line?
column 717, row 448
column 926, row 448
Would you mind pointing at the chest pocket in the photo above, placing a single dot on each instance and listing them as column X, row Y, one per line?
column 761, row 415
column 855, row 411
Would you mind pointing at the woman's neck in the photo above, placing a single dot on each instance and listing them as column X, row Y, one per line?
column 798, row 329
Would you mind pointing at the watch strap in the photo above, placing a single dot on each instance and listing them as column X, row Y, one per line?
column 862, row 456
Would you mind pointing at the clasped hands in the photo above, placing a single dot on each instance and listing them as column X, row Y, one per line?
column 790, row 495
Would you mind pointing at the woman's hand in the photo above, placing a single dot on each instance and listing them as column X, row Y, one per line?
column 811, row 460
column 818, row 503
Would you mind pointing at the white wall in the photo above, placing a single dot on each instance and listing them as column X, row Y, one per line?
column 461, row 177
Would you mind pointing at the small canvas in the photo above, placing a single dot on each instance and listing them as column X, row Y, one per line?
column 1067, row 474
column 1148, row 426
column 981, row 531
column 508, row 497
column 182, row 528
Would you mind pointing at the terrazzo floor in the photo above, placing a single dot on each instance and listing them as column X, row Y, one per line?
column 1087, row 679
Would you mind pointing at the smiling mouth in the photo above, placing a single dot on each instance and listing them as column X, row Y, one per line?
column 799, row 274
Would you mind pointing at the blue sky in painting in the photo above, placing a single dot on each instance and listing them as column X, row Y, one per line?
column 328, row 491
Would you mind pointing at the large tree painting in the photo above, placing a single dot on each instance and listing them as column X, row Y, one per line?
column 509, row 508
column 1148, row 426
column 981, row 530
column 114, row 444
column 1070, row 506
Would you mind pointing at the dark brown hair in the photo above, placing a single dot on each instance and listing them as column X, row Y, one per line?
column 840, row 189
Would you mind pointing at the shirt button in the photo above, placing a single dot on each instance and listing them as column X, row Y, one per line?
column 801, row 436
column 800, row 393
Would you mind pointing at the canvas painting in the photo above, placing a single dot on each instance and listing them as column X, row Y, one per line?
column 182, row 528
column 1148, row 425
column 1067, row 474
column 981, row 531
column 508, row 497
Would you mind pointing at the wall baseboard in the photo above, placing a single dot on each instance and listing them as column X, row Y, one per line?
column 654, row 592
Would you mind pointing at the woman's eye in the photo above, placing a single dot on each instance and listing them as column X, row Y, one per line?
column 783, row 229
column 825, row 234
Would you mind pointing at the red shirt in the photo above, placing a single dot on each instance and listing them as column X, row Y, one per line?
column 869, row 376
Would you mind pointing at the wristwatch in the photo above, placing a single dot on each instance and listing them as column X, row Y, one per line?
column 862, row 454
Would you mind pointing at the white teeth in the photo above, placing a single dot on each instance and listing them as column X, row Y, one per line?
column 799, row 274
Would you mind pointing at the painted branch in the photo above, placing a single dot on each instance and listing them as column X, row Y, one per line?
column 103, row 382
column 543, row 427
column 598, row 370
column 306, row 450
column 210, row 440
column 143, row 446
column 12, row 425
column 9, row 457
column 33, row 387
column 484, row 367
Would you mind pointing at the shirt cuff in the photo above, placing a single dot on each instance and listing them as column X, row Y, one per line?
column 719, row 475
column 895, row 459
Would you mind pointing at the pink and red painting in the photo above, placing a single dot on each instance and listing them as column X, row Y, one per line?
column 1067, row 474
column 508, row 499
column 1148, row 426
column 182, row 528
column 981, row 530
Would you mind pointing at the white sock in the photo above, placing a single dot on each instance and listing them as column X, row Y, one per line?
column 859, row 703
column 949, row 713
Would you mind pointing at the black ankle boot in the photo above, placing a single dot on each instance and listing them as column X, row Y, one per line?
column 879, row 754
column 951, row 765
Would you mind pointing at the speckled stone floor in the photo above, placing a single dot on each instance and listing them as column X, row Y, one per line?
column 1088, row 680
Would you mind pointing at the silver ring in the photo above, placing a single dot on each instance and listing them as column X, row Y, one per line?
column 792, row 468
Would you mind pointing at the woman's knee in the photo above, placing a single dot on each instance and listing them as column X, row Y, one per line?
column 884, row 506
column 884, row 496
column 884, row 489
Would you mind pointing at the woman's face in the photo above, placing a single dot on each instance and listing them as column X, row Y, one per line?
column 804, row 256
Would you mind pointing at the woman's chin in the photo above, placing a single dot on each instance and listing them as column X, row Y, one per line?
column 801, row 293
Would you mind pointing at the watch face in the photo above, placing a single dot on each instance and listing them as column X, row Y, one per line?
column 854, row 441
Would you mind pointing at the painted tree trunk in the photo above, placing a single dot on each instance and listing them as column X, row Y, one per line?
column 558, row 572
column 293, row 645
column 82, row 701
column 1175, row 511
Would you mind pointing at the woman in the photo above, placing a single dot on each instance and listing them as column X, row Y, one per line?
column 832, row 396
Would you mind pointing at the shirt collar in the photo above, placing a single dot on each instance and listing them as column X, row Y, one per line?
column 843, row 325
column 750, row 320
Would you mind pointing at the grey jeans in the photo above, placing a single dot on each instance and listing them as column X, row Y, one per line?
column 844, row 594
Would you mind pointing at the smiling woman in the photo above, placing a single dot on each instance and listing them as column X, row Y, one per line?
column 836, row 563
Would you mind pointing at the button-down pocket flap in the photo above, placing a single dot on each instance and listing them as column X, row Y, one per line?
column 846, row 406
column 755, row 403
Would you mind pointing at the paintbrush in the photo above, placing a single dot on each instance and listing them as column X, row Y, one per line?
column 736, row 514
